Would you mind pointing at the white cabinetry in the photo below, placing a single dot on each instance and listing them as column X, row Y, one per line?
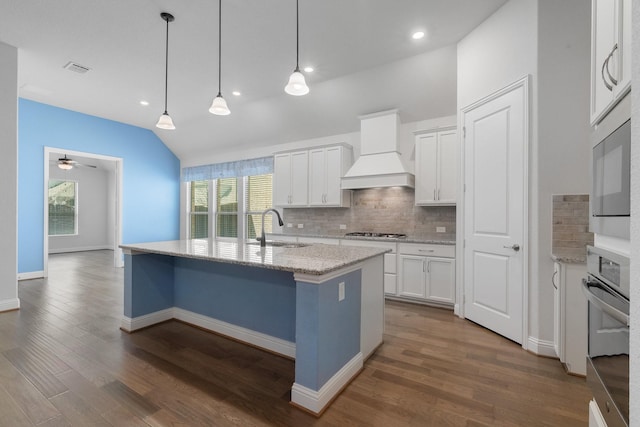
column 436, row 167
column 610, row 54
column 570, row 316
column 390, row 260
column 427, row 272
column 327, row 165
column 290, row 179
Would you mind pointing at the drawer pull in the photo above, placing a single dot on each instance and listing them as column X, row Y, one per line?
column 426, row 250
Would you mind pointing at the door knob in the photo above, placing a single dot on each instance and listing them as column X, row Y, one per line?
column 515, row 247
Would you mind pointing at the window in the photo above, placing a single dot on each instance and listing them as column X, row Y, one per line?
column 199, row 210
column 227, row 207
column 238, row 207
column 63, row 214
column 259, row 197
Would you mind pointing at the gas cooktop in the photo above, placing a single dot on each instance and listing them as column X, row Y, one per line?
column 370, row 234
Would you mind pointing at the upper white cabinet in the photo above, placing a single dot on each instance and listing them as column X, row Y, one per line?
column 610, row 54
column 327, row 165
column 290, row 179
column 436, row 167
column 311, row 177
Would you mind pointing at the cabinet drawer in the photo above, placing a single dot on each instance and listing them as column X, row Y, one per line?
column 445, row 251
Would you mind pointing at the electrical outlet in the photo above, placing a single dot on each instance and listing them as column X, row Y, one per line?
column 343, row 226
column 340, row 291
column 289, row 225
column 300, row 225
column 441, row 229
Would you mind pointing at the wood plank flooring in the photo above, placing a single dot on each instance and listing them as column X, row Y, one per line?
column 63, row 361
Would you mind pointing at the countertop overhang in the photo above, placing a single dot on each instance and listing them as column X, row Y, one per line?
column 313, row 259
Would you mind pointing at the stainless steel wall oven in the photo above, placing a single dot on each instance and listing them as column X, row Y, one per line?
column 607, row 292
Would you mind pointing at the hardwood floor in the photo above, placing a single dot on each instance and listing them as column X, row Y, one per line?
column 63, row 361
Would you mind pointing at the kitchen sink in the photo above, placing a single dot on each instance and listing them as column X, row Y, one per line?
column 281, row 244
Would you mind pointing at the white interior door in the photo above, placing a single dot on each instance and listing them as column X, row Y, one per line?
column 495, row 144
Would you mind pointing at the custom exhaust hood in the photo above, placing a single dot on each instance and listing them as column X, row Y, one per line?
column 380, row 163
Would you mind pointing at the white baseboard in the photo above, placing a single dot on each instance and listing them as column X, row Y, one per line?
column 541, row 347
column 268, row 342
column 9, row 304
column 316, row 401
column 80, row 249
column 31, row 275
column 276, row 345
column 129, row 324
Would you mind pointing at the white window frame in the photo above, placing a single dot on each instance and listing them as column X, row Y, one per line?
column 76, row 208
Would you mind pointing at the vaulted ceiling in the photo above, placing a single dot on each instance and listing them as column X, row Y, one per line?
column 363, row 56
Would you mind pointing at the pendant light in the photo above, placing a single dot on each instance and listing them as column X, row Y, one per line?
column 297, row 86
column 165, row 122
column 219, row 105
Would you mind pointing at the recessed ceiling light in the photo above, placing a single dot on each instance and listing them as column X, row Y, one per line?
column 308, row 69
column 417, row 35
column 145, row 103
column 236, row 93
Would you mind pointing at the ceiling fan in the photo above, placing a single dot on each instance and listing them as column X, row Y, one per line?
column 66, row 163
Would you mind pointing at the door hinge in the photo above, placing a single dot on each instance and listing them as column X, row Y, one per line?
column 464, row 131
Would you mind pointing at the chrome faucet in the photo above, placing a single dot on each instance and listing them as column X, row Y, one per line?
column 263, row 238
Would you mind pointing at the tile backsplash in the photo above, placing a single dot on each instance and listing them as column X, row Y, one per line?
column 386, row 210
column 571, row 224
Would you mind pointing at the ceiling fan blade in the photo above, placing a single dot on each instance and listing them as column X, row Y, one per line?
column 84, row 165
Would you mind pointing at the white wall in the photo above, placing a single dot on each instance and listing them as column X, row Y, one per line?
column 9, row 177
column 96, row 209
column 549, row 41
column 634, row 358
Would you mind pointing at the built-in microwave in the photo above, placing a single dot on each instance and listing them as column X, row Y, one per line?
column 611, row 171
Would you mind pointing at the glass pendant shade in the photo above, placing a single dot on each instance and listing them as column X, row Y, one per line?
column 165, row 122
column 219, row 106
column 297, row 85
column 65, row 166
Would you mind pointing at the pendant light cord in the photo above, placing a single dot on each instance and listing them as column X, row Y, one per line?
column 219, row 46
column 297, row 38
column 166, row 67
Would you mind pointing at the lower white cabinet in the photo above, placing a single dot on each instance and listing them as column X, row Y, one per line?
column 390, row 278
column 570, row 316
column 427, row 272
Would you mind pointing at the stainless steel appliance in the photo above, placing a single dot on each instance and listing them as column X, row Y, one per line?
column 372, row 234
column 610, row 190
column 607, row 292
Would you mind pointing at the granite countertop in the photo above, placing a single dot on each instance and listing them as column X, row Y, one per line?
column 569, row 256
column 316, row 259
column 408, row 239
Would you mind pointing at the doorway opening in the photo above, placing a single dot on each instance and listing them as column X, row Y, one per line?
column 86, row 190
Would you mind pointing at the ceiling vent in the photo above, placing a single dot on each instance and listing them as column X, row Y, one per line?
column 76, row 68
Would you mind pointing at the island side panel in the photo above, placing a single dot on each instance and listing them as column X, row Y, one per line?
column 257, row 299
column 327, row 339
column 372, row 319
column 148, row 289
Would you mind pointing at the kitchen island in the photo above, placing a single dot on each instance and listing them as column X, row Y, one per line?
column 322, row 305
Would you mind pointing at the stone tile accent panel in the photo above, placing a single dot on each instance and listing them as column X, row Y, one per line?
column 571, row 225
column 379, row 210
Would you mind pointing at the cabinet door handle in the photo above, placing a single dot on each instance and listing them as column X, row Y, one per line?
column 423, row 265
column 429, row 266
column 434, row 194
column 611, row 78
column 438, row 194
column 553, row 279
column 604, row 79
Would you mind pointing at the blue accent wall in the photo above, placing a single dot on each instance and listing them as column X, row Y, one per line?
column 327, row 330
column 153, row 278
column 151, row 175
